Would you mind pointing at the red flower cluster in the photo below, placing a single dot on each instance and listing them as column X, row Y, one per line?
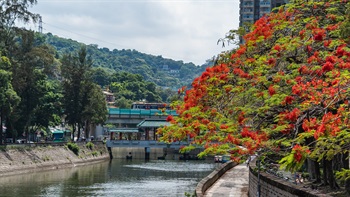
column 272, row 91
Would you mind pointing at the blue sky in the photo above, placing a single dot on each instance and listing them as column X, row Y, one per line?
column 185, row 30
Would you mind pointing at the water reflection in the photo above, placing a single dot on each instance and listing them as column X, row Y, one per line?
column 114, row 178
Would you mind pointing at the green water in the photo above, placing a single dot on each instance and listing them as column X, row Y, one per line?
column 120, row 178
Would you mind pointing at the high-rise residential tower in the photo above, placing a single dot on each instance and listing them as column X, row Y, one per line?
column 252, row 10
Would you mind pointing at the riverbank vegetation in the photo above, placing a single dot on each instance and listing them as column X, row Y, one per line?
column 282, row 95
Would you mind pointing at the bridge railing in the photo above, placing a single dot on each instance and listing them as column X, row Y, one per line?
column 140, row 112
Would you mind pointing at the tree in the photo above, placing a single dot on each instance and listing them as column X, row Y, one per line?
column 133, row 87
column 282, row 94
column 76, row 73
column 101, row 76
column 95, row 111
column 83, row 100
column 8, row 97
column 29, row 62
column 10, row 12
column 48, row 111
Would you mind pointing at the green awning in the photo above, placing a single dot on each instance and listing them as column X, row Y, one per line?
column 124, row 130
column 58, row 131
column 153, row 123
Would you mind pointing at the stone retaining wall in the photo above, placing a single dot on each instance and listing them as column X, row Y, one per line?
column 208, row 181
column 23, row 158
column 272, row 186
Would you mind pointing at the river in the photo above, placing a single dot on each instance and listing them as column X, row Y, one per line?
column 117, row 178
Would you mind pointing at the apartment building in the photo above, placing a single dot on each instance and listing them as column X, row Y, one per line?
column 252, row 10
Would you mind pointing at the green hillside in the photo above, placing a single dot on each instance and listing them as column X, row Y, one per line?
column 163, row 72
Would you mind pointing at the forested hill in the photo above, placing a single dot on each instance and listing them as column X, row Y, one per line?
column 163, row 72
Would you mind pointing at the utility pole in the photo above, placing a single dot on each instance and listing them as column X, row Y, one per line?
column 40, row 25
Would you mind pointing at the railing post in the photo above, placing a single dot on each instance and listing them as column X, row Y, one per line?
column 147, row 152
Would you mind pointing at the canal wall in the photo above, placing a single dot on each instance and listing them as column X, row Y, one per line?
column 136, row 152
column 23, row 158
column 209, row 180
column 154, row 153
column 273, row 186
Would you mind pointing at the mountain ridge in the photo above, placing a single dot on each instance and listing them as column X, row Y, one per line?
column 164, row 72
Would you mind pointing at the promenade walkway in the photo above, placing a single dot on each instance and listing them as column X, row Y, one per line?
column 234, row 183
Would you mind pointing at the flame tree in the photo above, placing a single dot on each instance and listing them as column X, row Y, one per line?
column 284, row 92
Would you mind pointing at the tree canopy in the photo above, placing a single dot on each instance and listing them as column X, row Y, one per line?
column 283, row 93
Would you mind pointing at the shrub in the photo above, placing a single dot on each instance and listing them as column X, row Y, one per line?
column 73, row 147
column 94, row 153
column 90, row 145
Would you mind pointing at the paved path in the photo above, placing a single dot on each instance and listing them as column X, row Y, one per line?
column 234, row 183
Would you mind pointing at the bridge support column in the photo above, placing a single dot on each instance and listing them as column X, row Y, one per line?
column 147, row 152
column 110, row 152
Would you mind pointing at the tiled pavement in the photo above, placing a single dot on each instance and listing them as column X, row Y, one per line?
column 234, row 183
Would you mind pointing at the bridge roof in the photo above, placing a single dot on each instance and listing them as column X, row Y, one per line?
column 153, row 123
column 124, row 130
column 141, row 112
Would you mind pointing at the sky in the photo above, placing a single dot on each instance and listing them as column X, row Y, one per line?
column 186, row 30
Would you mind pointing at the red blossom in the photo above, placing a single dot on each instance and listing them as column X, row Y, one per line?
column 205, row 121
column 277, row 48
column 223, row 126
column 319, row 34
column 331, row 59
column 332, row 27
column 319, row 131
column 310, row 124
column 271, row 61
column 293, row 115
column 297, row 152
column 228, row 89
column 303, row 70
column 340, row 50
column 302, row 33
column 326, row 43
column 309, row 48
column 328, row 66
column 170, row 118
column 250, row 134
column 288, row 100
column 241, row 117
column 271, row 90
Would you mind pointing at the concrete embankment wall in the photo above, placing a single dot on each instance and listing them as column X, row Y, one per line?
column 136, row 152
column 154, row 153
column 272, row 186
column 22, row 158
column 209, row 180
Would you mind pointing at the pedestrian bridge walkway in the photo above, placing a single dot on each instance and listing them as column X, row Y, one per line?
column 135, row 116
column 140, row 112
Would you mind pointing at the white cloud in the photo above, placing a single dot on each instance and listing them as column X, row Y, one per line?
column 185, row 30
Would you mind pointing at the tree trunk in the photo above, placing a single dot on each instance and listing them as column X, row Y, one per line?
column 9, row 129
column 328, row 166
column 73, row 132
column 317, row 171
column 324, row 177
column 87, row 129
column 311, row 169
column 79, row 127
column 345, row 164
